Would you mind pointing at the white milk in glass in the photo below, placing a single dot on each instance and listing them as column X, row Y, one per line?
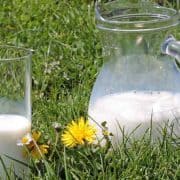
column 12, row 129
column 131, row 109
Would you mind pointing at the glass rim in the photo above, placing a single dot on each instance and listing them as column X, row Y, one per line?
column 26, row 52
column 157, row 22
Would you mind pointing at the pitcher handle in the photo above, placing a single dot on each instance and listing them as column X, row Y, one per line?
column 171, row 47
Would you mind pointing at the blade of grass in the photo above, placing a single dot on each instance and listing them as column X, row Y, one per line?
column 5, row 169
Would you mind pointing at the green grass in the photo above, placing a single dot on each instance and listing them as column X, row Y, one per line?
column 66, row 61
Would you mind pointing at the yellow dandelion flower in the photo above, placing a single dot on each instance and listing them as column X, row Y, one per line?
column 78, row 133
column 38, row 151
column 32, row 145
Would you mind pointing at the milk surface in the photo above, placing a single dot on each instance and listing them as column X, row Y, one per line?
column 131, row 109
column 12, row 129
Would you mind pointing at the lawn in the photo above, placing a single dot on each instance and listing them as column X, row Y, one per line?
column 67, row 58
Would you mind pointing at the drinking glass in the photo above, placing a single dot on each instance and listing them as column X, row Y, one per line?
column 15, row 107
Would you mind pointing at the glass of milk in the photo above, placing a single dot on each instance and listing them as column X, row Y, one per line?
column 138, row 87
column 15, row 106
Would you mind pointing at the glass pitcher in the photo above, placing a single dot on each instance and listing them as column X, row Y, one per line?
column 138, row 87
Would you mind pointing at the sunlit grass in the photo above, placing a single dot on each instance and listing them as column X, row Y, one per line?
column 66, row 61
